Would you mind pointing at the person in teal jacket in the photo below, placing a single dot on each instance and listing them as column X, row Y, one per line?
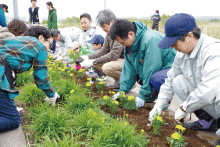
column 145, row 62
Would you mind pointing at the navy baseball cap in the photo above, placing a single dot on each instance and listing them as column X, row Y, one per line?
column 97, row 39
column 176, row 26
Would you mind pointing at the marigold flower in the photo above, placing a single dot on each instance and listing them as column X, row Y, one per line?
column 88, row 84
column 159, row 118
column 103, row 119
column 50, row 68
column 126, row 123
column 115, row 102
column 113, row 93
column 55, row 61
column 142, row 131
column 180, row 127
column 70, row 51
column 62, row 70
column 72, row 91
column 176, row 136
column 105, row 97
column 88, row 79
column 131, row 97
column 109, row 92
column 72, row 69
column 81, row 70
column 101, row 83
column 71, row 75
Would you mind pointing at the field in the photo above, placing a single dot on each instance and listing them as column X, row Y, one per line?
column 85, row 116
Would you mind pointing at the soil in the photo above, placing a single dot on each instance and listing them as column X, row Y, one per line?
column 140, row 118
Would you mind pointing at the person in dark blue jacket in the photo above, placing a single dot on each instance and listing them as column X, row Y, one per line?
column 3, row 9
column 33, row 13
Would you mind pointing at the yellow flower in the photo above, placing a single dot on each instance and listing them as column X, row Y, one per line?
column 72, row 91
column 105, row 97
column 68, row 72
column 71, row 75
column 94, row 113
column 176, row 136
column 50, row 57
column 142, row 131
column 62, row 70
column 81, row 70
column 126, row 123
column 55, row 61
column 109, row 92
column 159, row 118
column 180, row 127
column 31, row 72
column 72, row 69
column 113, row 93
column 122, row 92
column 70, row 51
column 101, row 83
column 59, row 68
column 97, row 78
column 115, row 102
column 88, row 79
column 50, row 68
column 103, row 119
column 123, row 95
column 131, row 97
column 126, row 115
column 88, row 84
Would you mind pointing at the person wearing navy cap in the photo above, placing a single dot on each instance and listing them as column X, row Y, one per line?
column 97, row 42
column 194, row 76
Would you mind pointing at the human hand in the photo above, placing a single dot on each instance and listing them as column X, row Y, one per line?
column 53, row 99
column 139, row 102
column 87, row 63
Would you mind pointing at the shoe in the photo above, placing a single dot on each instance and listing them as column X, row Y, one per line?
column 59, row 58
column 92, row 74
column 116, row 85
column 103, row 78
column 202, row 125
column 217, row 143
column 52, row 51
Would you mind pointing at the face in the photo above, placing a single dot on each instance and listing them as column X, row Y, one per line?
column 96, row 46
column 4, row 9
column 48, row 7
column 85, row 23
column 186, row 46
column 33, row 3
column 106, row 27
column 126, row 41
column 47, row 42
column 57, row 38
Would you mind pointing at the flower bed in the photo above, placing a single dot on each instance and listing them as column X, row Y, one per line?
column 80, row 119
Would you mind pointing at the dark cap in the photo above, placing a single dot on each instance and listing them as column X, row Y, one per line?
column 176, row 26
column 97, row 39
column 55, row 32
column 5, row 6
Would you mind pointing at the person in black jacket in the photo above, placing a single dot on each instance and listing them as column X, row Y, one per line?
column 156, row 19
column 33, row 13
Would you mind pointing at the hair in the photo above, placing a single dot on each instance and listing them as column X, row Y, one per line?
column 55, row 32
column 196, row 32
column 157, row 11
column 50, row 4
column 34, row 0
column 105, row 16
column 85, row 15
column 36, row 31
column 121, row 28
column 98, row 44
column 17, row 27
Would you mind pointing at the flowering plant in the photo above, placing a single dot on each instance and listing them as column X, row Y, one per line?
column 73, row 56
column 89, row 86
column 100, row 86
column 157, row 124
column 80, row 73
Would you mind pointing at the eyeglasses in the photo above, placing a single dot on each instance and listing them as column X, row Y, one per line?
column 51, row 45
column 123, row 43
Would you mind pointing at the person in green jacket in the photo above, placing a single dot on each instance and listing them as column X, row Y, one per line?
column 52, row 17
column 144, row 62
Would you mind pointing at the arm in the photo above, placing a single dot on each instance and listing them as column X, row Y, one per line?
column 128, row 76
column 54, row 20
column 2, row 18
column 41, row 74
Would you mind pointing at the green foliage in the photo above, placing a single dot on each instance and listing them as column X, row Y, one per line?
column 100, row 86
column 31, row 95
column 44, row 21
column 119, row 134
column 24, row 78
column 107, row 101
column 48, row 121
column 157, row 123
column 70, row 22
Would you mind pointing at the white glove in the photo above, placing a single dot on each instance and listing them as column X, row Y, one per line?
column 85, row 57
column 53, row 99
column 179, row 115
column 153, row 112
column 87, row 63
column 139, row 102
column 115, row 97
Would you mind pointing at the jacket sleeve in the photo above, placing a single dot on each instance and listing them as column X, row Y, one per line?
column 2, row 18
column 128, row 76
column 166, row 90
column 41, row 74
column 54, row 20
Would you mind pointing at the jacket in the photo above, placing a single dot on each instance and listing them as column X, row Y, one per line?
column 52, row 19
column 110, row 51
column 156, row 19
column 201, row 69
column 34, row 17
column 144, row 58
column 2, row 18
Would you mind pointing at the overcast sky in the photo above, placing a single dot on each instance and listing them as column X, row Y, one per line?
column 121, row 8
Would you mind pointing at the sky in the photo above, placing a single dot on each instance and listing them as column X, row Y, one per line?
column 121, row 8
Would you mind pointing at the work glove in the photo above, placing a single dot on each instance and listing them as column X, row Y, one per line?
column 115, row 97
column 85, row 57
column 87, row 63
column 53, row 99
column 180, row 115
column 153, row 113
column 139, row 102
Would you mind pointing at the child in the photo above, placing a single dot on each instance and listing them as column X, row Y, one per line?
column 97, row 42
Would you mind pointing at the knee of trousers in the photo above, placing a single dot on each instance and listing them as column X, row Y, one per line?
column 180, row 84
column 106, row 68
